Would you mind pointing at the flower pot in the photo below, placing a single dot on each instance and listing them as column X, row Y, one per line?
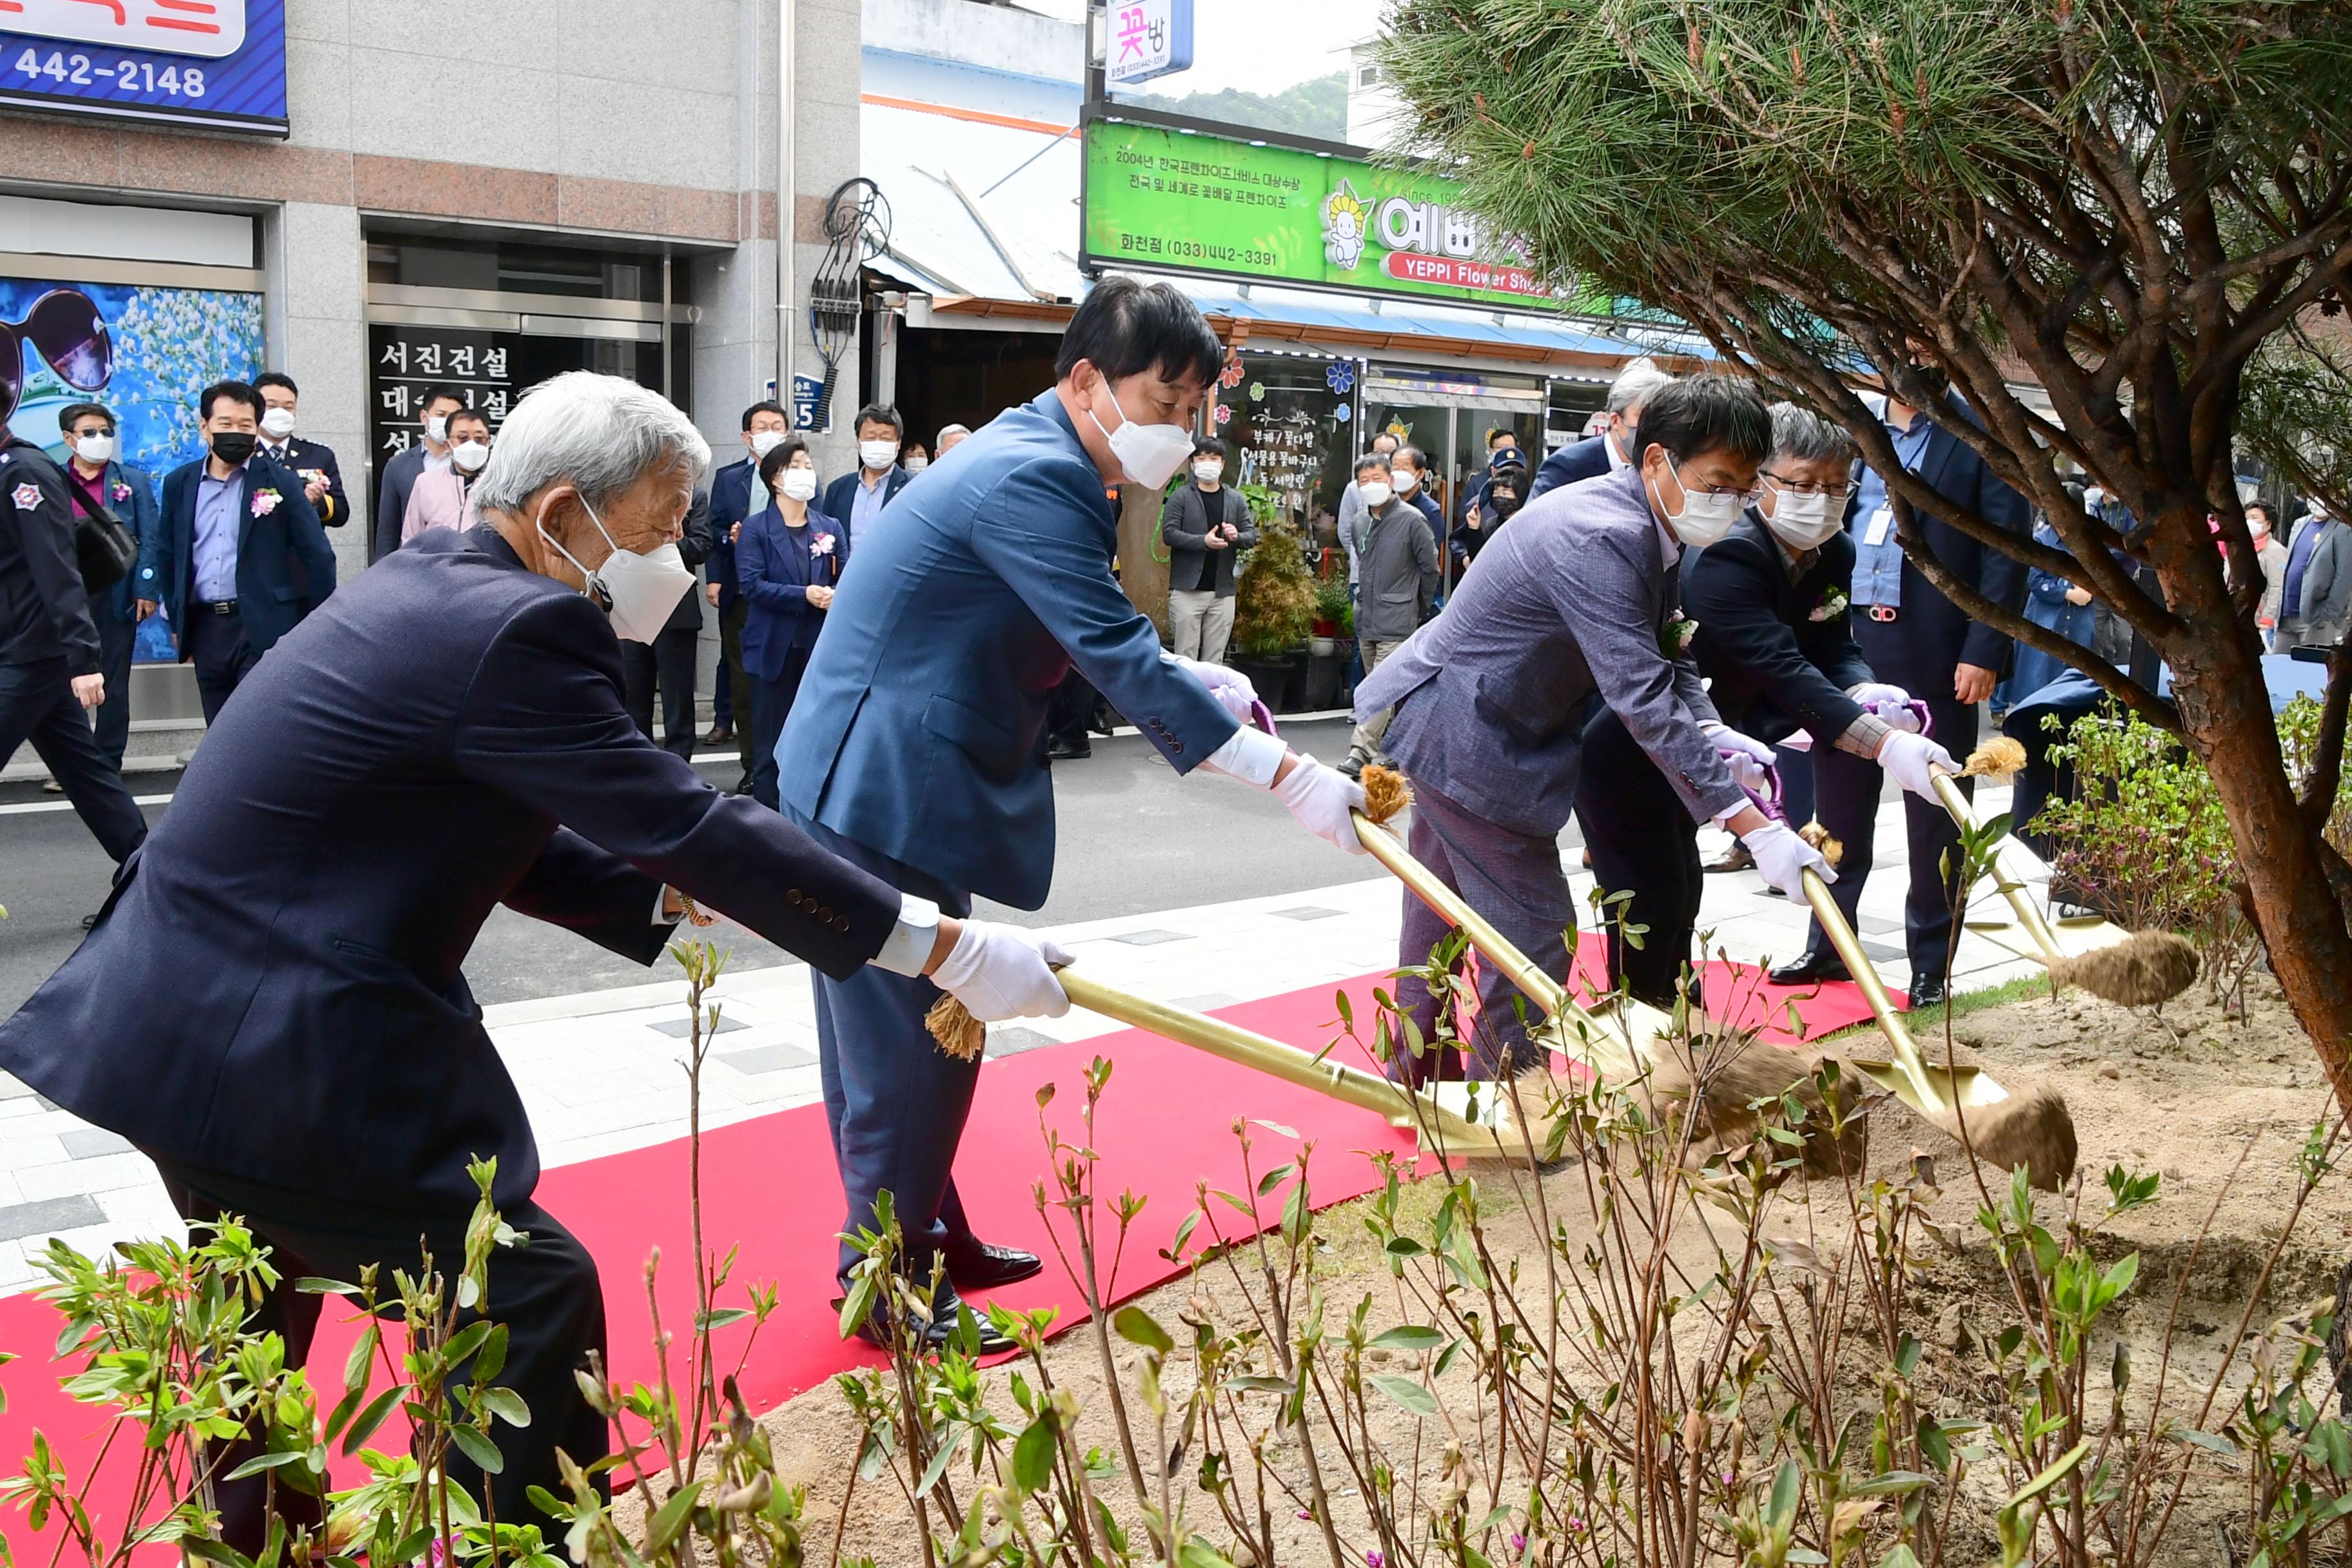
column 1274, row 675
column 1325, row 629
column 1320, row 645
column 1327, row 669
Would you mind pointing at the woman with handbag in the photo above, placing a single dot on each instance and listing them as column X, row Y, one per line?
column 786, row 563
column 114, row 528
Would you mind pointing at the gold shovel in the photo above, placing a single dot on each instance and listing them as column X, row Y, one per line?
column 1456, row 1118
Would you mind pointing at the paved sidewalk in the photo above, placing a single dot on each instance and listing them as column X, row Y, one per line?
column 603, row 1072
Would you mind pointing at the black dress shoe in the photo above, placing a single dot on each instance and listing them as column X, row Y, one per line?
column 983, row 1265
column 1928, row 991
column 936, row 1334
column 1070, row 751
column 1811, row 970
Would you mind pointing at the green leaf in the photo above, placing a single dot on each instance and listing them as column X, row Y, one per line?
column 1198, row 1553
column 1408, row 1337
column 478, row 1448
column 935, row 1469
column 1894, row 1483
column 670, row 1522
column 856, row 1304
column 2212, row 1442
column 261, row 1462
column 1033, row 1454
column 355, row 1365
column 466, row 1341
column 1135, row 1325
column 1406, row 1392
column 372, row 1417
column 507, row 1405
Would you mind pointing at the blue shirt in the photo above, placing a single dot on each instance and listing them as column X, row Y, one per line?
column 1878, row 568
column 217, row 532
column 866, row 504
column 2298, row 559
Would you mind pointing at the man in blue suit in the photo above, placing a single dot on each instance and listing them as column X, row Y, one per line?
column 242, row 557
column 855, row 501
column 1612, row 448
column 736, row 493
column 912, row 749
column 444, row 736
column 97, row 480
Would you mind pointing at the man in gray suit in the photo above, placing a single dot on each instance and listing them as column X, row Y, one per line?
column 2315, row 588
column 1580, row 597
column 1397, row 565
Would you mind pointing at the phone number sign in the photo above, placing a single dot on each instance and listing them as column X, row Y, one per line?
column 218, row 63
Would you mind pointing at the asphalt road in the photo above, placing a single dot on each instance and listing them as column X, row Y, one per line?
column 1133, row 838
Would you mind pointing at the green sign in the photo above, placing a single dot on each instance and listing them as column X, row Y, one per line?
column 1160, row 197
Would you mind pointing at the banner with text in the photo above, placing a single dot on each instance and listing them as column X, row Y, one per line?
column 1195, row 203
column 217, row 63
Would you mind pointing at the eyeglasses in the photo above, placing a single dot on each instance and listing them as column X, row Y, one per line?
column 64, row 328
column 1836, row 492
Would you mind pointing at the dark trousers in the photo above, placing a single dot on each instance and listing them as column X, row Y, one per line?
column 113, row 718
column 1796, row 784
column 771, row 704
column 1514, row 879
column 895, row 1101
column 1644, row 845
column 546, row 1294
column 667, row 662
column 731, row 671
column 216, row 643
column 1934, row 838
column 38, row 704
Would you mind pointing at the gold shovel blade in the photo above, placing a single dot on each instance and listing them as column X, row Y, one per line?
column 1479, row 1121
column 1966, row 1087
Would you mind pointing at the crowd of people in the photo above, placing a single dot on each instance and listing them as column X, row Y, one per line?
column 1699, row 615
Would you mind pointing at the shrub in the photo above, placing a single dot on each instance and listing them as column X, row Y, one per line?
column 1273, row 596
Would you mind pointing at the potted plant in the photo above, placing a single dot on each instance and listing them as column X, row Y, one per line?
column 1274, row 609
column 1327, row 654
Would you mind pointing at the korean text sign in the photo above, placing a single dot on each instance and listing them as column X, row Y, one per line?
column 219, row 63
column 1159, row 197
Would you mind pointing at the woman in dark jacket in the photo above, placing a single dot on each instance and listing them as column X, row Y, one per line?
column 786, row 563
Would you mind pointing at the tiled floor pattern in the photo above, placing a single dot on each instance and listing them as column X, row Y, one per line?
column 603, row 1072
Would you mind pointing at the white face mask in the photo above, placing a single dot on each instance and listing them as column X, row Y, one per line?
column 1150, row 454
column 1208, row 473
column 878, row 456
column 1704, row 519
column 764, row 442
column 1803, row 522
column 437, row 428
column 637, row 592
column 797, row 484
column 1376, row 495
column 1407, row 481
column 277, row 424
column 917, row 464
column 94, row 448
column 470, row 456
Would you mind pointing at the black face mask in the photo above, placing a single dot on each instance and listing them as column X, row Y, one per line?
column 233, row 447
column 1502, row 503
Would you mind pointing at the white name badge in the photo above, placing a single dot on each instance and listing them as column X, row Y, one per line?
column 1875, row 532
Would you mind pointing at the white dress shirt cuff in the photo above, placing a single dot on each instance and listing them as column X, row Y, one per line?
column 1250, row 755
column 908, row 946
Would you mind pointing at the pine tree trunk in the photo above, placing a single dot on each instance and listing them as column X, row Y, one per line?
column 2217, row 679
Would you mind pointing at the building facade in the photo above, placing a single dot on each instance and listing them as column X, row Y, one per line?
column 478, row 194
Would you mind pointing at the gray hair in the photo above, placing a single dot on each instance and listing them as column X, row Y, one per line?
column 1803, row 436
column 1634, row 384
column 948, row 430
column 602, row 433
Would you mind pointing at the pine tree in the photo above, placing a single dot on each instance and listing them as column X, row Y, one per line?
column 2137, row 205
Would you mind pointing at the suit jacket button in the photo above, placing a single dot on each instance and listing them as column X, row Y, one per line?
column 842, row 922
column 1176, row 746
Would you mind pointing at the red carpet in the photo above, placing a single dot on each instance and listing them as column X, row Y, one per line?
column 1164, row 1128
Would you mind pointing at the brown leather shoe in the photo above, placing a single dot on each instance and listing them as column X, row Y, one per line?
column 1735, row 858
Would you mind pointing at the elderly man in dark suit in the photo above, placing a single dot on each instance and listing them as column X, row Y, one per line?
column 1915, row 638
column 1776, row 646
column 1613, row 447
column 444, row 737
column 1578, row 598
column 242, row 557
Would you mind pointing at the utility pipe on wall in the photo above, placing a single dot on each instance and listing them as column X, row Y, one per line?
column 787, row 278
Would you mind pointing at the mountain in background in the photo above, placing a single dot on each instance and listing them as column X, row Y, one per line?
column 1316, row 108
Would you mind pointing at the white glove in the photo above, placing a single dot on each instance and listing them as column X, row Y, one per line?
column 1913, row 760
column 1323, row 800
column 1782, row 857
column 1749, row 760
column 1002, row 972
column 1888, row 704
column 1231, row 688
